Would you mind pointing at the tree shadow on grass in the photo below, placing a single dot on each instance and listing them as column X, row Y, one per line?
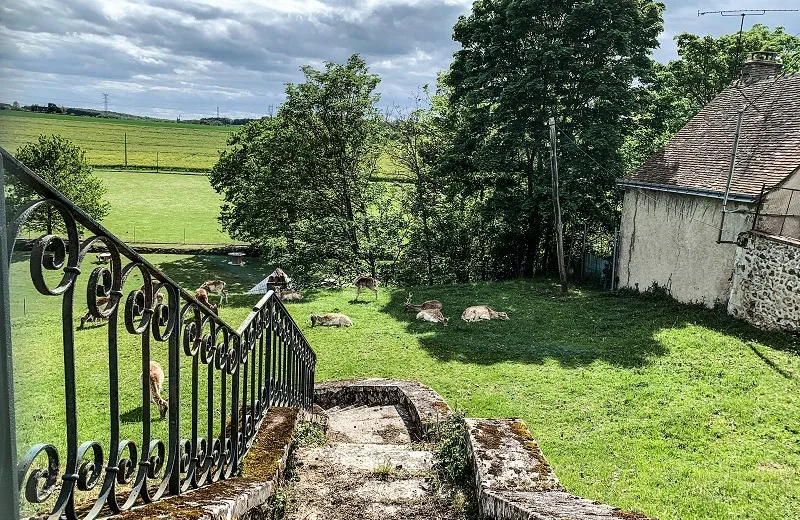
column 191, row 272
column 134, row 415
column 575, row 329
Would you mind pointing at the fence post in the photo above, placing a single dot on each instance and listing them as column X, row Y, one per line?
column 9, row 490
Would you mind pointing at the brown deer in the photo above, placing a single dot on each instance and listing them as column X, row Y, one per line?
column 156, row 382
column 365, row 282
column 433, row 316
column 481, row 313
column 159, row 296
column 102, row 303
column 218, row 287
column 332, row 319
column 428, row 305
column 202, row 296
column 290, row 295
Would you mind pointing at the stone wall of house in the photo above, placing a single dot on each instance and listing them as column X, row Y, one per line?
column 671, row 239
column 766, row 282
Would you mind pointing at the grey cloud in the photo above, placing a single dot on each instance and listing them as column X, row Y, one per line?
column 171, row 55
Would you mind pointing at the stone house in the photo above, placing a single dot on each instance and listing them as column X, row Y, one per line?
column 686, row 207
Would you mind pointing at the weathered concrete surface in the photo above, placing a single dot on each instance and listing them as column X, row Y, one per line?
column 514, row 481
column 370, row 470
column 244, row 497
column 671, row 239
column 422, row 407
column 766, row 282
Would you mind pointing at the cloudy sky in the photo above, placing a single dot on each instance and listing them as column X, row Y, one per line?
column 168, row 57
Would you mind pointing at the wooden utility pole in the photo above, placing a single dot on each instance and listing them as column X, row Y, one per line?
column 126, row 150
column 562, row 270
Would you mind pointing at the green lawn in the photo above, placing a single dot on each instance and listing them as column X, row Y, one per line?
column 167, row 208
column 179, row 146
column 675, row 411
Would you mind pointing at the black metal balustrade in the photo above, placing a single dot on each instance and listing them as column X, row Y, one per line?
column 265, row 362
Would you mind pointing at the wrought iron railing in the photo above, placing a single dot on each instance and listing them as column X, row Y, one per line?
column 265, row 362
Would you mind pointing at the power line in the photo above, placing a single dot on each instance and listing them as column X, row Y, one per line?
column 105, row 103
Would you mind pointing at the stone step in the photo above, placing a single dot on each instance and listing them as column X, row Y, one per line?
column 366, row 458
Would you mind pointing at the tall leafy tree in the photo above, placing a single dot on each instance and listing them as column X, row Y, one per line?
column 674, row 92
column 522, row 61
column 63, row 164
column 300, row 184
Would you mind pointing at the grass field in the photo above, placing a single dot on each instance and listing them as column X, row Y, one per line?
column 162, row 208
column 678, row 412
column 179, row 146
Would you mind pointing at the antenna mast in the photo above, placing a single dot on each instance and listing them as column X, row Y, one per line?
column 743, row 13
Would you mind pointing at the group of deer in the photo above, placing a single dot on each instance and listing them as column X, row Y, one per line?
column 335, row 319
column 431, row 311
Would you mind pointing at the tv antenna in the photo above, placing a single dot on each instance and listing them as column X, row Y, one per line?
column 743, row 13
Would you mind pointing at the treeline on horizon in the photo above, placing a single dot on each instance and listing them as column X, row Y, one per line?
column 52, row 108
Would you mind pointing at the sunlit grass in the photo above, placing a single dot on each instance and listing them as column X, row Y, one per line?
column 675, row 411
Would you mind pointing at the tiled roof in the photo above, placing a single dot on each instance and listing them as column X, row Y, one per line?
column 698, row 156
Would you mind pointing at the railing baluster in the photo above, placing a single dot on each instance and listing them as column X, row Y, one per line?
column 9, row 491
column 266, row 362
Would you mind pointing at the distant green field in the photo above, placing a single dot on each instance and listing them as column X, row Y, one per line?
column 166, row 208
column 179, row 146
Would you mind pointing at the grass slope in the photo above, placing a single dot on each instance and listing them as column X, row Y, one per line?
column 678, row 412
column 179, row 146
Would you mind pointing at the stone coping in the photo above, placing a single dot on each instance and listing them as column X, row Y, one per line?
column 514, row 481
column 243, row 497
column 775, row 238
column 423, row 406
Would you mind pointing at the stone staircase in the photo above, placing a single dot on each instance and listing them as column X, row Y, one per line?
column 370, row 469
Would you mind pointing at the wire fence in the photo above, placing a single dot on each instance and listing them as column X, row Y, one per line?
column 778, row 212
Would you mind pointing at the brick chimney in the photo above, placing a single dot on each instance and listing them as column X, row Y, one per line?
column 761, row 65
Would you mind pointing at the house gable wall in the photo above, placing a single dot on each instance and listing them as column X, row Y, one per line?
column 671, row 239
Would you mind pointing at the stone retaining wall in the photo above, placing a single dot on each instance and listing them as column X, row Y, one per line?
column 766, row 282
column 424, row 406
column 513, row 479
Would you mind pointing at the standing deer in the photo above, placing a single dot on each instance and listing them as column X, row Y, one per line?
column 482, row 312
column 202, row 296
column 433, row 316
column 102, row 303
column 365, row 282
column 218, row 287
column 156, row 382
column 428, row 305
column 158, row 296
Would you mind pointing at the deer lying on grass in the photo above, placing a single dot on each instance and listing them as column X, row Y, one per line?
column 156, row 382
column 482, row 312
column 428, row 305
column 218, row 287
column 290, row 295
column 332, row 319
column 365, row 282
column 433, row 316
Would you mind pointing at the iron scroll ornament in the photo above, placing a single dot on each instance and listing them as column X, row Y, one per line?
column 265, row 362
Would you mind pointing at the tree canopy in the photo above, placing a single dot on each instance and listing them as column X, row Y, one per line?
column 299, row 183
column 521, row 62
column 63, row 164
